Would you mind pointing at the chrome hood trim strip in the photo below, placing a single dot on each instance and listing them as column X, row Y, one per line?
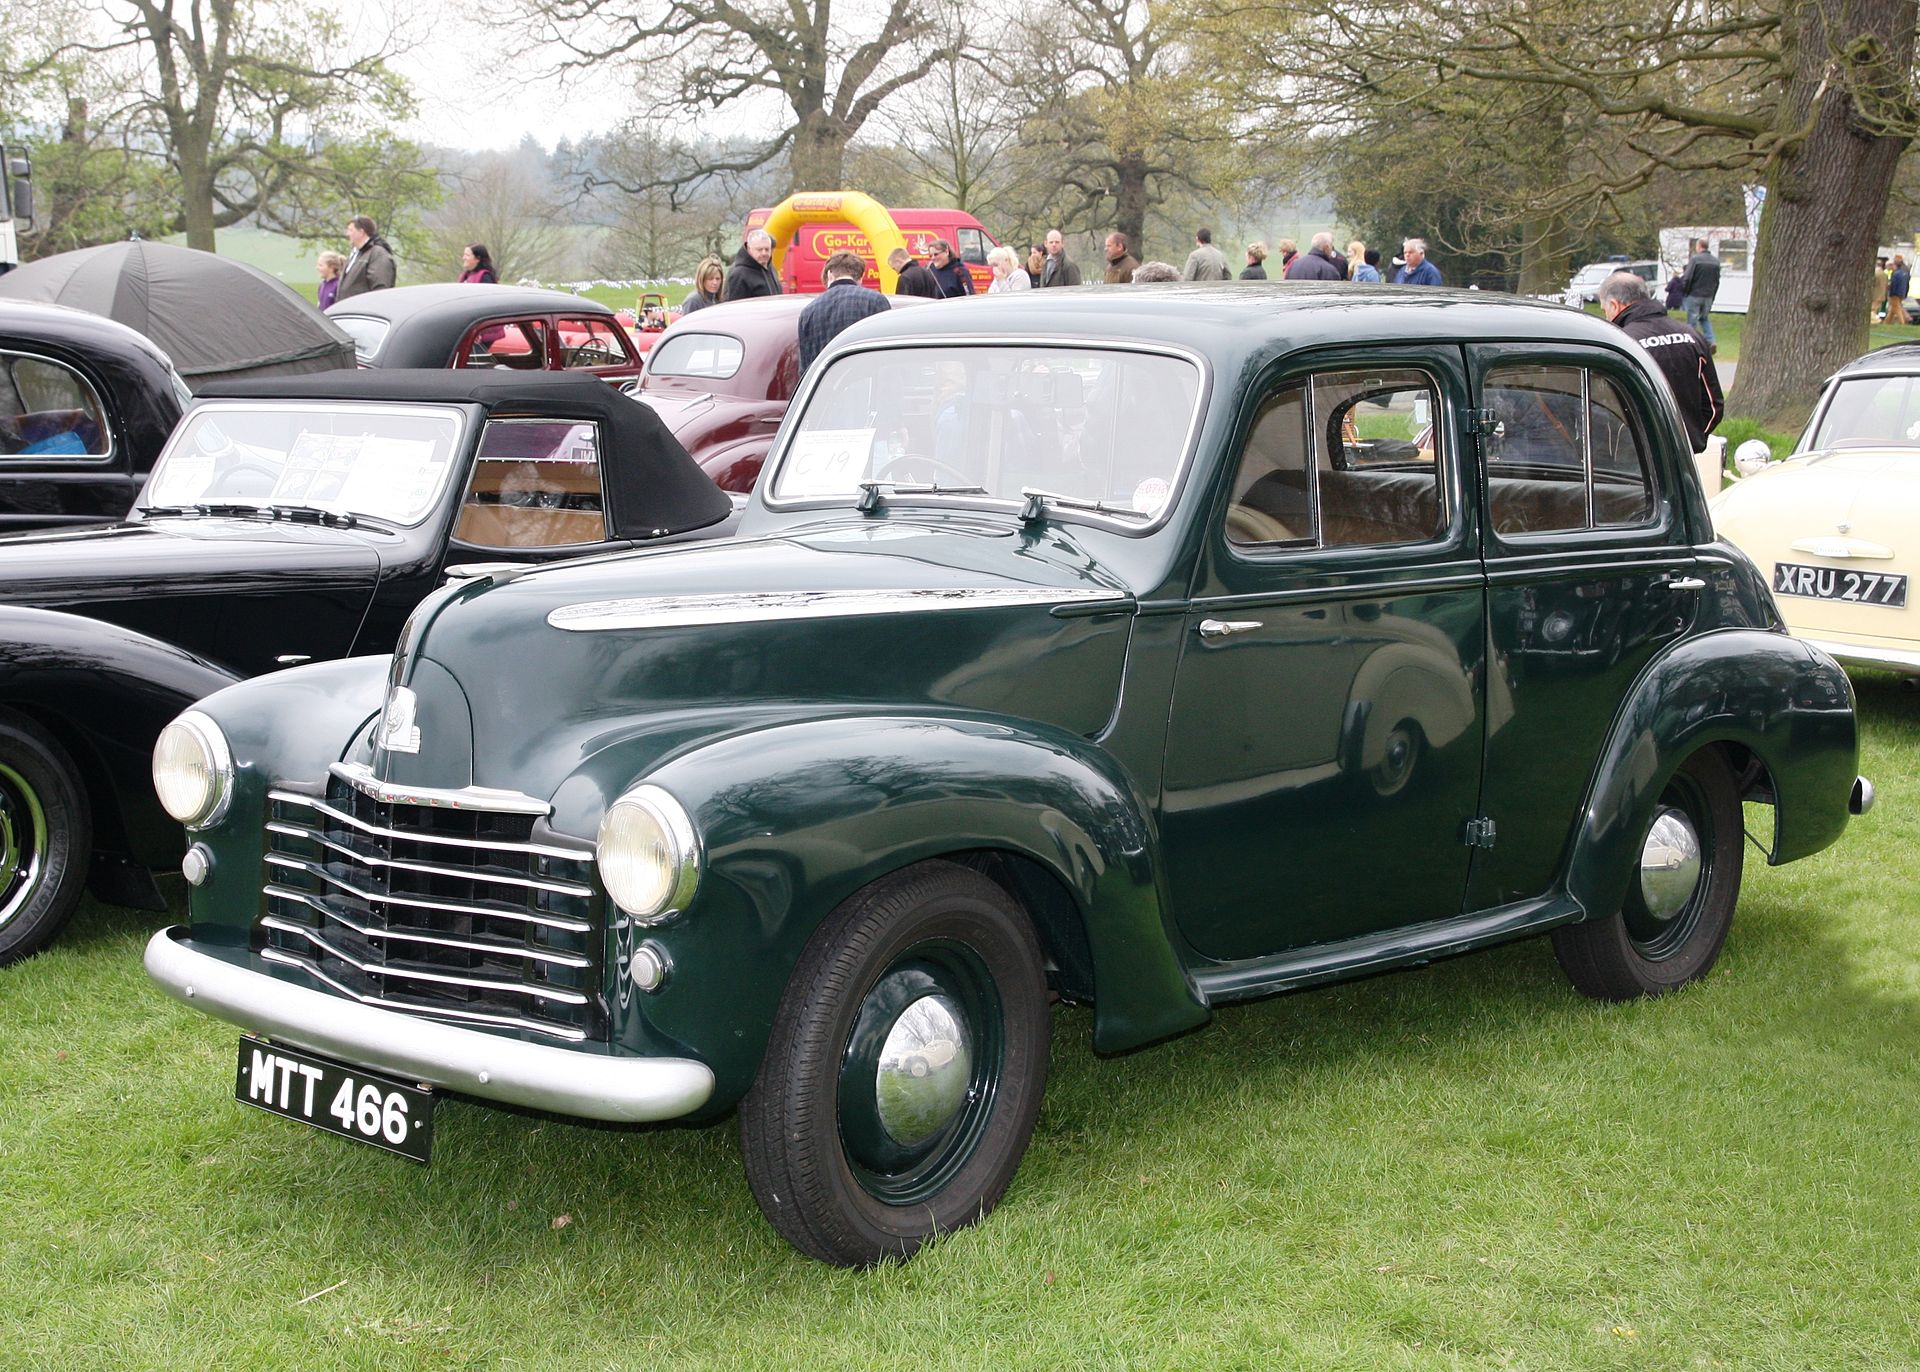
column 360, row 776
column 747, row 607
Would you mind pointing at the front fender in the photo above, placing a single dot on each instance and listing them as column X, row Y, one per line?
column 287, row 726
column 797, row 817
column 105, row 693
column 1790, row 704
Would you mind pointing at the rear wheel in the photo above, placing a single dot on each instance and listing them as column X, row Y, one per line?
column 45, row 837
column 905, row 1069
column 1680, row 901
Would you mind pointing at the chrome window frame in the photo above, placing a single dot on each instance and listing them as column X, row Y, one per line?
column 456, row 410
column 9, row 460
column 1176, row 485
column 653, row 357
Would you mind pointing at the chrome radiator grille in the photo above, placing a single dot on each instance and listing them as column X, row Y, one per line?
column 451, row 913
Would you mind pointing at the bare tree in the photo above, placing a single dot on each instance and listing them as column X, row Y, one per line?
column 252, row 106
column 960, row 136
column 497, row 202
column 1814, row 97
column 722, row 53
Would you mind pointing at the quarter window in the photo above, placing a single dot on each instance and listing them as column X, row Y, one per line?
column 535, row 484
column 47, row 410
column 1565, row 453
column 1343, row 459
column 517, row 344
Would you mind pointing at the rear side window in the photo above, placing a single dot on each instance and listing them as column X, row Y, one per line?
column 516, row 344
column 535, row 484
column 1566, row 453
column 715, row 356
column 366, row 332
column 1342, row 459
column 48, row 410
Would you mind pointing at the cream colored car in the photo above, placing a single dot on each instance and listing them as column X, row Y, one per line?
column 1836, row 526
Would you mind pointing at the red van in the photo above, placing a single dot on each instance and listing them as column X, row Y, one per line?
column 813, row 244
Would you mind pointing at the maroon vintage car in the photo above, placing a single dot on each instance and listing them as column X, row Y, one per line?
column 722, row 377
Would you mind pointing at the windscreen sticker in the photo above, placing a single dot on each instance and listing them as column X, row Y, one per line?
column 394, row 476
column 825, row 462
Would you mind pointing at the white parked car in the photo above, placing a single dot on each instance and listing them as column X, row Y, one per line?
column 1584, row 289
column 1836, row 525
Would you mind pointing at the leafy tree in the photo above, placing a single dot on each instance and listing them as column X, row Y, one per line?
column 1815, row 97
column 257, row 109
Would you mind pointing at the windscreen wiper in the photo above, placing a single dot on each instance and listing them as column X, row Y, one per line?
column 870, row 490
column 1039, row 501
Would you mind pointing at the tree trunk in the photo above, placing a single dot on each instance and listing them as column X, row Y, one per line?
column 1130, row 203
column 1826, row 198
column 1545, row 261
column 819, row 155
column 196, row 200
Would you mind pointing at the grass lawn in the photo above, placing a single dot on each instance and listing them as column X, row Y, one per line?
column 1458, row 1167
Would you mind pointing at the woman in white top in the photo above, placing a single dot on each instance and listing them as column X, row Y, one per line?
column 1008, row 275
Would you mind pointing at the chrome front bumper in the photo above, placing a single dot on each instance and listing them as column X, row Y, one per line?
column 565, row 1081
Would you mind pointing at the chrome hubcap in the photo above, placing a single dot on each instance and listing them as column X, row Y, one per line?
column 925, row 1068
column 23, row 842
column 1669, row 864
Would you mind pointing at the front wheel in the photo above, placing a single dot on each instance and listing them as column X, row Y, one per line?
column 1680, row 900
column 905, row 1069
column 45, row 839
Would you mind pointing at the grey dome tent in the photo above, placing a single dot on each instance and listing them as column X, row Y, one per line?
column 215, row 317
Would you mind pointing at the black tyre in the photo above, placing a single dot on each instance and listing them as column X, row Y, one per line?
column 852, row 1155
column 46, row 835
column 1679, row 905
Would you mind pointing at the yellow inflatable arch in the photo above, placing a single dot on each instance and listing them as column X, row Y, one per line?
column 851, row 207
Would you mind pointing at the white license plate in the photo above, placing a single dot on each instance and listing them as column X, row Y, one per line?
column 1835, row 583
column 348, row 1101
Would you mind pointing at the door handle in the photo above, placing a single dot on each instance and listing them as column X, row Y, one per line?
column 1685, row 583
column 1220, row 628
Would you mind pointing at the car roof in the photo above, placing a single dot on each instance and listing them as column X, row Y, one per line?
column 1894, row 359
column 654, row 486
column 64, row 324
column 1232, row 320
column 451, row 299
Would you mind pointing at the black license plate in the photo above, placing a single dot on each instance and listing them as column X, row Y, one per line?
column 347, row 1101
column 1834, row 583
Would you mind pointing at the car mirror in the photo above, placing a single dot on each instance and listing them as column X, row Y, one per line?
column 1751, row 456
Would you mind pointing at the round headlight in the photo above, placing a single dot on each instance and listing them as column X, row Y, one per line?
column 648, row 854
column 193, row 770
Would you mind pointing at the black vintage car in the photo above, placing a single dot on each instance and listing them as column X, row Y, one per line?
column 492, row 328
column 85, row 406
column 288, row 521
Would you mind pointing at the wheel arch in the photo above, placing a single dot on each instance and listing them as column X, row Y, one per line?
column 798, row 818
column 1781, row 713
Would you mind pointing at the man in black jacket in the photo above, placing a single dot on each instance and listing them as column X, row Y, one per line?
column 915, row 279
column 1676, row 349
column 1699, row 283
column 752, row 273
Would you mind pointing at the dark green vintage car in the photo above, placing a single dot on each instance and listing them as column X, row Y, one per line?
column 1158, row 649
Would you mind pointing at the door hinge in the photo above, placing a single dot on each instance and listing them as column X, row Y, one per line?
column 1479, row 833
column 1483, row 422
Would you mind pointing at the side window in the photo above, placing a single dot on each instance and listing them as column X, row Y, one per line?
column 1345, row 459
column 1566, row 453
column 590, row 343
column 48, row 410
column 973, row 246
column 519, row 344
column 535, row 484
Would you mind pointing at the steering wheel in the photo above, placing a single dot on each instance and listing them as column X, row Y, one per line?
column 269, row 477
column 931, row 464
column 591, row 355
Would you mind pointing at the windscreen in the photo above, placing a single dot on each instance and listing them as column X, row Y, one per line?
column 386, row 462
column 1870, row 411
column 1090, row 423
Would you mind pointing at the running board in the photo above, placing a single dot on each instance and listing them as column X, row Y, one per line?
column 1221, row 983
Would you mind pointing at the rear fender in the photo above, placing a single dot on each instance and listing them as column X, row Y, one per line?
column 1787, row 703
column 796, row 818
